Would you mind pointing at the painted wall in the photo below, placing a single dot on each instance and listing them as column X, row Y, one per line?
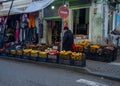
column 96, row 23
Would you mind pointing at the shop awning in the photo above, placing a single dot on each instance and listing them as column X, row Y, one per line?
column 17, row 4
column 34, row 6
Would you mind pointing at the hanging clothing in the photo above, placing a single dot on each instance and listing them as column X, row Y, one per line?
column 20, row 35
column 17, row 31
column 31, row 21
column 35, row 35
column 40, row 33
column 17, row 34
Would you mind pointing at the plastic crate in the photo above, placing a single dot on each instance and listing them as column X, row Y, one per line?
column 53, row 58
column 42, row 59
column 65, row 59
column 26, row 55
column 79, row 62
column 12, row 53
column 19, row 53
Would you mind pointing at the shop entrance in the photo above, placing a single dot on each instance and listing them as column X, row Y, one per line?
column 55, row 27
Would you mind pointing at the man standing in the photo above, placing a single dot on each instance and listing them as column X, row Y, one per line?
column 67, row 39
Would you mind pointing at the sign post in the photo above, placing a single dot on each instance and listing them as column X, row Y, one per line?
column 63, row 12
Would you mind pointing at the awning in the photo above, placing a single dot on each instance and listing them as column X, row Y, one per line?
column 17, row 4
column 34, row 6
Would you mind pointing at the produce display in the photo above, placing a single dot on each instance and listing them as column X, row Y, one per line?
column 32, row 46
column 65, row 54
column 82, row 49
column 76, row 56
column 13, row 52
column 27, row 51
column 53, row 52
column 19, row 52
column 34, row 53
column 94, row 47
column 42, row 54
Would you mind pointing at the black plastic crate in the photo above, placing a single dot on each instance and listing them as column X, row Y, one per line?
column 33, row 56
column 81, row 62
column 65, row 59
column 53, row 58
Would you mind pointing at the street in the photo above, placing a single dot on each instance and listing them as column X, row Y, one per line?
column 16, row 73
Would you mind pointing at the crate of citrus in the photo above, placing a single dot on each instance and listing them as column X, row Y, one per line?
column 76, row 56
column 42, row 56
column 78, row 59
column 34, row 53
column 26, row 53
column 12, row 52
column 65, row 57
column 65, row 54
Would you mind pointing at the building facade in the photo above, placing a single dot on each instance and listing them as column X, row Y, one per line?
column 88, row 19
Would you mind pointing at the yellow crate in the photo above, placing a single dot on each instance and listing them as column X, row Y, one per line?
column 43, row 54
column 12, row 51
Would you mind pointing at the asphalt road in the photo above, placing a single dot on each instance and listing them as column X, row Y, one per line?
column 15, row 73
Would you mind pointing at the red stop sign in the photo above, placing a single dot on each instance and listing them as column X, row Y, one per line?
column 63, row 12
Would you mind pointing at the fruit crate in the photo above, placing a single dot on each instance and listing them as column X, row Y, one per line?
column 3, row 53
column 12, row 53
column 91, row 52
column 42, row 57
column 26, row 55
column 110, row 54
column 78, row 59
column 19, row 53
column 53, row 58
column 7, row 51
column 65, row 59
column 34, row 55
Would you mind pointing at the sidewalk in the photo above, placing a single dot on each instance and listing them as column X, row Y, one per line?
column 103, row 69
column 106, row 70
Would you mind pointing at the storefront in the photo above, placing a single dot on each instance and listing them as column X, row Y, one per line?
column 78, row 20
column 33, row 18
column 21, row 28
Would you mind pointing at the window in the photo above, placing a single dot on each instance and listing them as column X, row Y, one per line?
column 80, row 21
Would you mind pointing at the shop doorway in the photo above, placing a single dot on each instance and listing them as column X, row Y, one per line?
column 55, row 26
column 81, row 21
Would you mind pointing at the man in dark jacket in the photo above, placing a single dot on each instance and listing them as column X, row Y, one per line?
column 67, row 39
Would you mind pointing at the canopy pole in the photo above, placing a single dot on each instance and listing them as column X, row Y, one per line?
column 5, row 25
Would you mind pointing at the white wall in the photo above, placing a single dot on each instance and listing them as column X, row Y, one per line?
column 96, row 23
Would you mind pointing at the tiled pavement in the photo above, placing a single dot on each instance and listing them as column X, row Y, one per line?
column 111, row 69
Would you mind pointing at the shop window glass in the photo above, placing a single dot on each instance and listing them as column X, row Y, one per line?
column 80, row 21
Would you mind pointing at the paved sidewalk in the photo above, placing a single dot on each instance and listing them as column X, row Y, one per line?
column 111, row 69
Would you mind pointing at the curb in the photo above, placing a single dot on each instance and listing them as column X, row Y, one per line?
column 83, row 70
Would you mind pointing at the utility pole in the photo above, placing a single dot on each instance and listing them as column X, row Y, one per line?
column 62, row 28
